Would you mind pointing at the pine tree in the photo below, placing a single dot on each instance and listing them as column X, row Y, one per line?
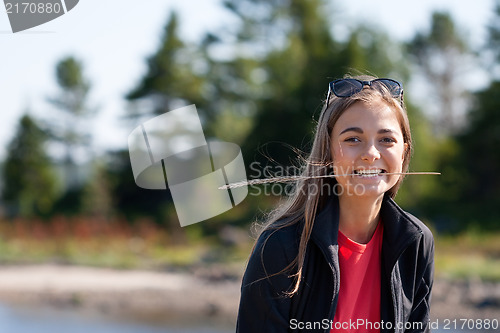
column 29, row 179
column 70, row 128
column 442, row 55
column 171, row 79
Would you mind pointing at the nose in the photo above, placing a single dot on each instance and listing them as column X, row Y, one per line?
column 370, row 154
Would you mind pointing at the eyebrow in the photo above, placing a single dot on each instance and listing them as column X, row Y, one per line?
column 352, row 129
column 386, row 130
column 360, row 131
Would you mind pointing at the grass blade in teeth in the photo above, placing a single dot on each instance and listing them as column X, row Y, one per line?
column 295, row 178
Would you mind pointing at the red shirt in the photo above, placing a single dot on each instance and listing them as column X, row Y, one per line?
column 358, row 307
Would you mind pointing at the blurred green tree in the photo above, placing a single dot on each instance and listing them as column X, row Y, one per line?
column 298, row 56
column 97, row 198
column 130, row 200
column 369, row 50
column 69, row 129
column 493, row 43
column 30, row 184
column 174, row 76
column 467, row 194
column 261, row 83
column 181, row 73
column 442, row 55
column 477, row 162
column 427, row 154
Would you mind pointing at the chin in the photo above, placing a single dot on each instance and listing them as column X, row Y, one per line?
column 367, row 191
column 371, row 193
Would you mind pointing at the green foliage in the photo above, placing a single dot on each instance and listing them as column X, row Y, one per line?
column 266, row 94
column 440, row 54
column 74, row 88
column 299, row 57
column 369, row 50
column 444, row 33
column 69, row 128
column 443, row 37
column 170, row 78
column 479, row 160
column 97, row 242
column 30, row 186
column 471, row 254
column 261, row 83
column 468, row 194
column 425, row 157
column 97, row 199
column 494, row 33
column 69, row 75
column 131, row 201
column 297, row 72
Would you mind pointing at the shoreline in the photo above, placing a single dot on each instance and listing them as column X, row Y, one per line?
column 144, row 296
column 166, row 297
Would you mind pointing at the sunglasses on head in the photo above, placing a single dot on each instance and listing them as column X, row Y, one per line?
column 350, row 87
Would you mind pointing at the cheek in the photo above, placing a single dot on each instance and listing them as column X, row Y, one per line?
column 396, row 158
column 343, row 153
column 342, row 158
column 336, row 152
column 339, row 161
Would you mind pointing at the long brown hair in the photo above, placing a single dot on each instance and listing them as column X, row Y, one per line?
column 308, row 196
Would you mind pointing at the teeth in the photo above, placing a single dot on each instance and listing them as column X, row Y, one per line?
column 368, row 172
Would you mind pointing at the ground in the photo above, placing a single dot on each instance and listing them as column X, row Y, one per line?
column 200, row 295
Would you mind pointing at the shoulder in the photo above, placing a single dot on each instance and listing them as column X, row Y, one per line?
column 413, row 225
column 411, row 219
column 278, row 243
column 427, row 239
column 426, row 232
column 272, row 258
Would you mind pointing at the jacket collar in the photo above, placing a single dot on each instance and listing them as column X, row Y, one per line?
column 326, row 225
column 399, row 229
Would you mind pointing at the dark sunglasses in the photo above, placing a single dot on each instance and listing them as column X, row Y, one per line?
column 349, row 87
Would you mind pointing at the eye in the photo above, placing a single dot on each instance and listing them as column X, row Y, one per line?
column 388, row 140
column 352, row 139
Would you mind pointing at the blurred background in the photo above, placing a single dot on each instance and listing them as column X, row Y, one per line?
column 81, row 241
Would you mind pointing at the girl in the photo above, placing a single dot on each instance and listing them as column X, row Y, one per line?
column 340, row 255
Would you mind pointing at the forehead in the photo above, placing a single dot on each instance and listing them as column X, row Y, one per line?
column 376, row 115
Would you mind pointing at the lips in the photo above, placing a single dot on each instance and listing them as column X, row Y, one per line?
column 369, row 172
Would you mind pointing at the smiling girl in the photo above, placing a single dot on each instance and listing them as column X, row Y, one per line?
column 340, row 254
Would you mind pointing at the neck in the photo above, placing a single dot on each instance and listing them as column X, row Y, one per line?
column 359, row 216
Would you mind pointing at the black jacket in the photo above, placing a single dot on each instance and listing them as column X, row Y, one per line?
column 407, row 274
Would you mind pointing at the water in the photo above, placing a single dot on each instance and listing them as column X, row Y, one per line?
column 29, row 320
column 39, row 320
